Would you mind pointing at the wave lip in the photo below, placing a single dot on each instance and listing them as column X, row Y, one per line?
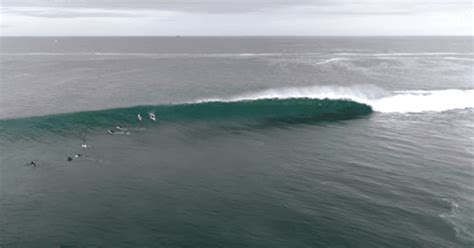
column 409, row 101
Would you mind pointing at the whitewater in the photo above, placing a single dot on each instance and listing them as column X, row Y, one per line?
column 408, row 101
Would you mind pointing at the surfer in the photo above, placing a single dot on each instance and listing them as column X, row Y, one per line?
column 152, row 116
column 32, row 164
column 118, row 130
column 69, row 159
column 121, row 128
column 139, row 117
column 84, row 142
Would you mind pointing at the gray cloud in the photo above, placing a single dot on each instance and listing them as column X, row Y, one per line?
column 207, row 6
column 67, row 13
column 233, row 6
column 236, row 17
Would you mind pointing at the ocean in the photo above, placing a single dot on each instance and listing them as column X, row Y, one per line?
column 237, row 142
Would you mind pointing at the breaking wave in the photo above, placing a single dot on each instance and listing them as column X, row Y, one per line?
column 286, row 105
column 291, row 110
column 412, row 101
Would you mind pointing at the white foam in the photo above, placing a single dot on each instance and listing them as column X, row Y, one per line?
column 330, row 60
column 459, row 58
column 413, row 101
column 407, row 54
column 423, row 101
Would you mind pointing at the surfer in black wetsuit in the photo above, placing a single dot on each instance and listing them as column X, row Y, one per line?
column 69, row 159
column 32, row 163
column 118, row 130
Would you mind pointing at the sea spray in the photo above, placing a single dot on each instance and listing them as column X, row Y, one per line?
column 408, row 101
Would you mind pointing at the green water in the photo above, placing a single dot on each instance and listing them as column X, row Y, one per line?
column 269, row 111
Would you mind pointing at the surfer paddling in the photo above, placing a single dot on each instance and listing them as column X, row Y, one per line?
column 32, row 164
column 119, row 130
column 69, row 159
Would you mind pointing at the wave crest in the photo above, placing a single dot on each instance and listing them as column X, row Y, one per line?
column 288, row 105
column 414, row 101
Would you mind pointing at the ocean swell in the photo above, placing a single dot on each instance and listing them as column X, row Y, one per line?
column 291, row 110
column 286, row 105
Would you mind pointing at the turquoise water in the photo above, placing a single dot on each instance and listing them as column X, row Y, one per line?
column 311, row 142
column 269, row 111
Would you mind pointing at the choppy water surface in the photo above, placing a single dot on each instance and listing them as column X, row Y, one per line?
column 257, row 142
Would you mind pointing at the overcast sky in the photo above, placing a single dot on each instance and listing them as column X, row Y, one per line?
column 236, row 17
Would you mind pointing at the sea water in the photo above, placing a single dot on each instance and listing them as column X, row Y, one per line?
column 257, row 142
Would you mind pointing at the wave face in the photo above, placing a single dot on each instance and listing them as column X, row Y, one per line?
column 414, row 101
column 292, row 110
column 287, row 105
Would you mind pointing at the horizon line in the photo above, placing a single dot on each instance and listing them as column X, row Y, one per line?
column 224, row 36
